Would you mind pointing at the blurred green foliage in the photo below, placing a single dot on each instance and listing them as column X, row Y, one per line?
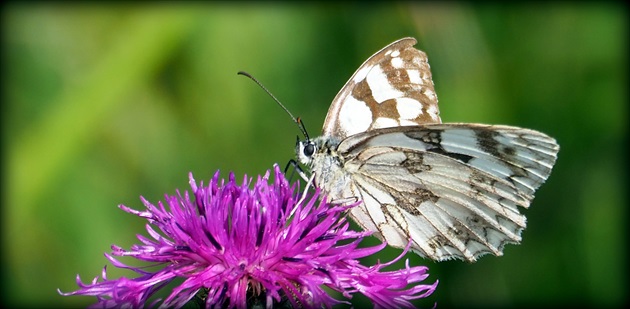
column 103, row 103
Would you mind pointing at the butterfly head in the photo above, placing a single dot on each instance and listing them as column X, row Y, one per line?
column 319, row 147
column 305, row 150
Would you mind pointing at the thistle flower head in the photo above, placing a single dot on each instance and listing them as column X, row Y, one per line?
column 236, row 247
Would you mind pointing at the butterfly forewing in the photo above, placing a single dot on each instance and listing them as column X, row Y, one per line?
column 452, row 190
column 394, row 87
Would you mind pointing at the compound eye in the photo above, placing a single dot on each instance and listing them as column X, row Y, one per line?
column 309, row 149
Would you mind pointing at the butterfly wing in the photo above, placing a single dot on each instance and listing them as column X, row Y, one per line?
column 391, row 88
column 453, row 189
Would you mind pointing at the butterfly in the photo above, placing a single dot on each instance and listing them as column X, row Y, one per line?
column 453, row 190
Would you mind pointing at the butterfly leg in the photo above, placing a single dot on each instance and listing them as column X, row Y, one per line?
column 345, row 201
column 296, row 167
column 309, row 183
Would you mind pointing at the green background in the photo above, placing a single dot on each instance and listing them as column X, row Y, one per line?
column 103, row 103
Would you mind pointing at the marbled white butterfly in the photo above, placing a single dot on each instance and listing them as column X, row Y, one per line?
column 453, row 190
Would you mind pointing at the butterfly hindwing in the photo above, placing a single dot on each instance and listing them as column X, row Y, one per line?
column 454, row 189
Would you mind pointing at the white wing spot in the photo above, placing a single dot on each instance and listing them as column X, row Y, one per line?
column 397, row 62
column 433, row 111
column 384, row 122
column 408, row 108
column 360, row 74
column 355, row 116
column 396, row 53
column 414, row 77
column 382, row 90
column 430, row 94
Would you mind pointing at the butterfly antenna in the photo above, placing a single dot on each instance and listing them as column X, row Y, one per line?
column 297, row 121
column 303, row 128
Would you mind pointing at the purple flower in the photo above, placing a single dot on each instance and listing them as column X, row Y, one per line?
column 236, row 247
